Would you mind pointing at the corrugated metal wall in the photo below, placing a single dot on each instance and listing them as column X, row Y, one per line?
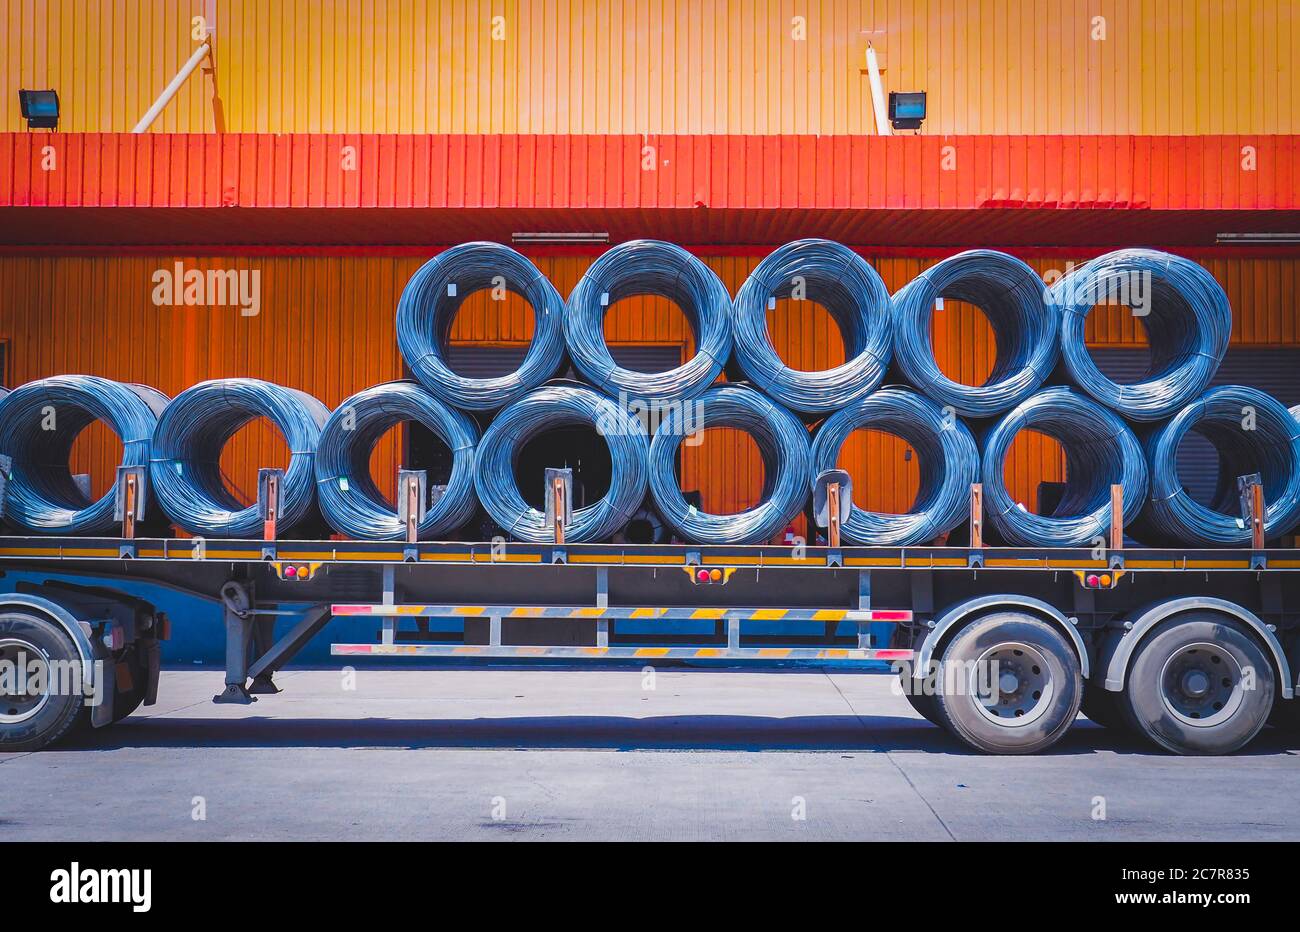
column 666, row 66
column 326, row 326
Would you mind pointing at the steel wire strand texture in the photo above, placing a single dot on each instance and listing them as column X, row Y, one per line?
column 849, row 289
column 548, row 408
column 1100, row 450
column 1270, row 447
column 428, row 307
column 195, row 428
column 649, row 267
column 349, row 498
column 1187, row 319
column 40, row 421
column 1020, row 312
column 782, row 442
column 947, row 459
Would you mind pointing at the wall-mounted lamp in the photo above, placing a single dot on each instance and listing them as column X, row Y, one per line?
column 39, row 108
column 906, row 109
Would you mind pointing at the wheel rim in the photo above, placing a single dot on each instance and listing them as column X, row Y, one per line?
column 19, row 698
column 1201, row 684
column 1011, row 684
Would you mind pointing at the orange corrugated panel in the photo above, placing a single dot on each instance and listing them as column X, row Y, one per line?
column 457, row 171
column 325, row 325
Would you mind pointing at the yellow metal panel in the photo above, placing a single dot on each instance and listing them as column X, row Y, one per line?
column 668, row 66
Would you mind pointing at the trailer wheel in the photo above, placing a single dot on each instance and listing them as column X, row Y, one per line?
column 1199, row 684
column 1016, row 688
column 33, row 711
column 1102, row 707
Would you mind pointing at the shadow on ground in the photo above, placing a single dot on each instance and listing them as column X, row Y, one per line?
column 829, row 733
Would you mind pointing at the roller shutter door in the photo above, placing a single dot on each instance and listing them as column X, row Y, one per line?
column 1276, row 371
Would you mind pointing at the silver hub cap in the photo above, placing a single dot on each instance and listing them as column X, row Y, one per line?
column 23, row 693
column 1201, row 684
column 1011, row 684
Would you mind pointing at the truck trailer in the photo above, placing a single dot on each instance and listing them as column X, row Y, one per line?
column 1196, row 650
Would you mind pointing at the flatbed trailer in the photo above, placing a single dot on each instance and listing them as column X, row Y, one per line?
column 1193, row 648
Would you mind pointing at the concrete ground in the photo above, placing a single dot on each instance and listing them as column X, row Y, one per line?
column 545, row 753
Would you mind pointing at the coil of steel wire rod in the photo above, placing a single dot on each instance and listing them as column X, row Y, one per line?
column 782, row 442
column 1100, row 451
column 1184, row 311
column 1020, row 311
column 547, row 408
column 187, row 447
column 428, row 307
column 348, row 495
column 649, row 267
column 948, row 461
column 1252, row 433
column 846, row 285
column 40, row 421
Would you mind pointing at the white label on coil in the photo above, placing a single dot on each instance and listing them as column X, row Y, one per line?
column 451, row 289
column 938, row 304
column 343, row 485
column 691, row 510
column 604, row 299
column 178, row 468
column 771, row 303
column 1240, row 523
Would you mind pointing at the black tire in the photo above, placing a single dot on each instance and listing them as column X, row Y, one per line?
column 1102, row 707
column 924, row 705
column 1156, row 700
column 1026, row 718
column 28, row 723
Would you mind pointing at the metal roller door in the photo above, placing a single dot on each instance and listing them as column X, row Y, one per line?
column 1276, row 371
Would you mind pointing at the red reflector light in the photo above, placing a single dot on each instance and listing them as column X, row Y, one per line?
column 702, row 575
column 290, row 571
column 1093, row 580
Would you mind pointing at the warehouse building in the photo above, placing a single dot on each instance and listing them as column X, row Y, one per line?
column 313, row 164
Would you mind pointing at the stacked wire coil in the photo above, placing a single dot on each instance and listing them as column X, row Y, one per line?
column 782, row 442
column 435, row 293
column 1100, row 451
column 834, row 276
column 349, row 498
column 649, row 267
column 1184, row 311
column 1020, row 311
column 948, row 462
column 193, row 430
column 1252, row 433
column 548, row 408
column 40, row 421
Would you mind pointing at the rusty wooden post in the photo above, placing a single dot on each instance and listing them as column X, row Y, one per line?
column 557, row 491
column 130, row 506
column 1257, row 516
column 411, row 490
column 833, row 512
column 1116, row 517
column 272, row 516
column 977, row 516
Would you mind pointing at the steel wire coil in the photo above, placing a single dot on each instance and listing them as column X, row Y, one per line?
column 348, row 495
column 649, row 267
column 782, row 442
column 1020, row 312
column 948, row 461
column 40, row 421
column 426, row 311
column 1184, row 311
column 1100, row 451
column 1253, row 433
column 547, row 408
column 187, row 447
column 850, row 290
